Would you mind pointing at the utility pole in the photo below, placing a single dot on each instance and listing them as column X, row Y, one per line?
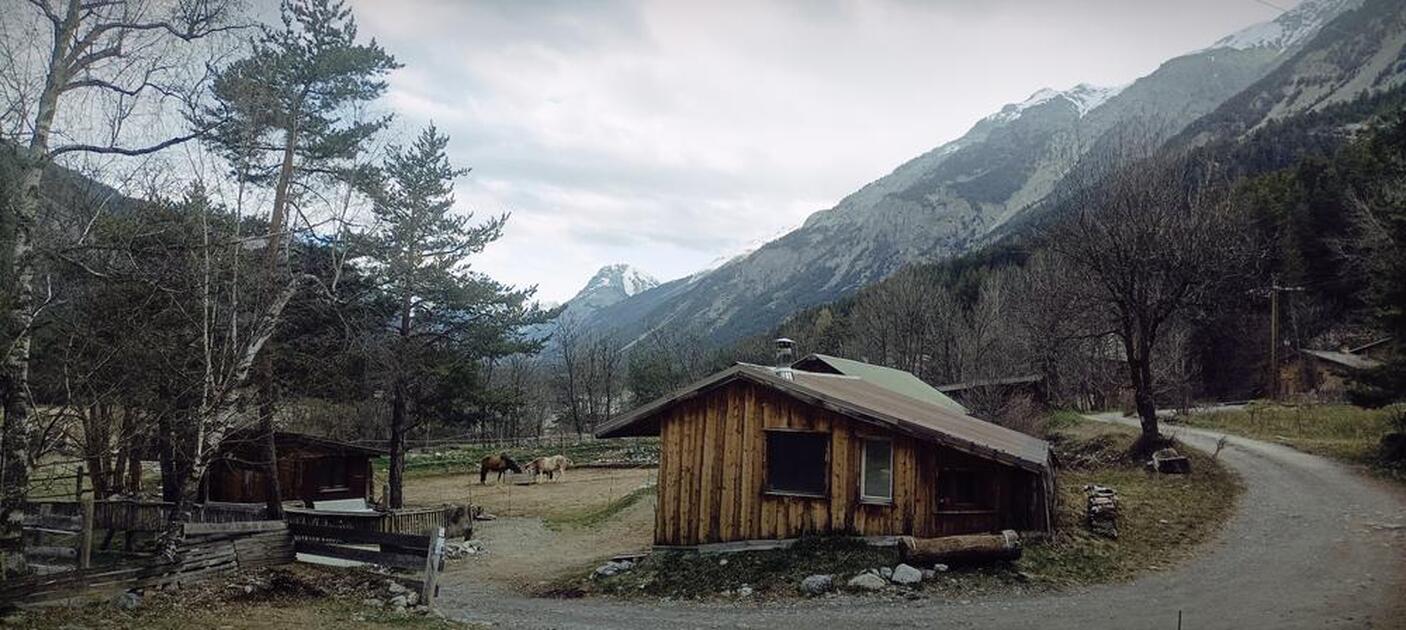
column 1274, row 290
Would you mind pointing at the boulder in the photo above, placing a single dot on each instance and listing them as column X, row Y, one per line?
column 885, row 572
column 867, row 582
column 817, row 584
column 395, row 588
column 904, row 574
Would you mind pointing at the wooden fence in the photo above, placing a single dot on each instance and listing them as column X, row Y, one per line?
column 456, row 520
column 411, row 552
column 209, row 550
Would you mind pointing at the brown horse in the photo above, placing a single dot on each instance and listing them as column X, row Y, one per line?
column 499, row 463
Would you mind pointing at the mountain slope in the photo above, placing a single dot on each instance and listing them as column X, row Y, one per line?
column 951, row 199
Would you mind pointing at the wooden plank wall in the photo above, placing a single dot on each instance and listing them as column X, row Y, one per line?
column 712, row 475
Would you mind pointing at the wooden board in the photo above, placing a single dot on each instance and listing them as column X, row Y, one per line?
column 397, row 560
column 202, row 529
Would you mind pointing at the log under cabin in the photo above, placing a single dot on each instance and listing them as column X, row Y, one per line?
column 310, row 468
column 758, row 453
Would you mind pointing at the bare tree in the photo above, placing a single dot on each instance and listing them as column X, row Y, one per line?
column 1153, row 241
column 115, row 52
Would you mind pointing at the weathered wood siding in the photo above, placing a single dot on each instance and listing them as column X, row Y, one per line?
column 712, row 476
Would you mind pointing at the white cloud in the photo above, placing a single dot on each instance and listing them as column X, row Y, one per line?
column 663, row 133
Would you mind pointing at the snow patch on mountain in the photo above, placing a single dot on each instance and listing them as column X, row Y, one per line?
column 1084, row 97
column 1290, row 28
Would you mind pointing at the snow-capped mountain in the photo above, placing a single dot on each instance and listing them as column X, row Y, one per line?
column 611, row 284
column 963, row 193
column 1290, row 29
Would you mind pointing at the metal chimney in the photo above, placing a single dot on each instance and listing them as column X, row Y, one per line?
column 785, row 355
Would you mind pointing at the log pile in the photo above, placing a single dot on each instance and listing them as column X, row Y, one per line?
column 1102, row 510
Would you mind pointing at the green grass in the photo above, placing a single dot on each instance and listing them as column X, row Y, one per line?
column 462, row 459
column 1341, row 432
column 596, row 515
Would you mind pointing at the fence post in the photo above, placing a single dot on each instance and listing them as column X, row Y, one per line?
column 85, row 537
column 433, row 560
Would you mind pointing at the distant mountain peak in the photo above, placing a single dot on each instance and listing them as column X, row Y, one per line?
column 619, row 276
column 1289, row 28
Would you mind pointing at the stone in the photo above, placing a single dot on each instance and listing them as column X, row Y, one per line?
column 904, row 574
column 817, row 584
column 723, row 562
column 395, row 588
column 612, row 568
column 885, row 572
column 929, row 574
column 372, row 602
column 940, row 568
column 128, row 600
column 867, row 582
column 399, row 601
column 744, row 591
column 412, row 598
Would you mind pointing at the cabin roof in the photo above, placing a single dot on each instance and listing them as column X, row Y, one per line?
column 990, row 382
column 897, row 381
column 244, row 438
column 862, row 400
column 1351, row 361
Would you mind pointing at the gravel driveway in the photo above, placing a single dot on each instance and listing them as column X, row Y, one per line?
column 1313, row 545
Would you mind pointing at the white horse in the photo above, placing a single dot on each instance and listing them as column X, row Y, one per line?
column 552, row 466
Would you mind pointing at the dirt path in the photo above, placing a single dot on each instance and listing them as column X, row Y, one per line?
column 1314, row 545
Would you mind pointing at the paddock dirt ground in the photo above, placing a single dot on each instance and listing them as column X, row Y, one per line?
column 525, row 548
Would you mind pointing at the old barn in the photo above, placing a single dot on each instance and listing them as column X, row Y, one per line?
column 310, row 468
column 758, row 453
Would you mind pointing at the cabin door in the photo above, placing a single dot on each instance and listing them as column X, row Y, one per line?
column 967, row 500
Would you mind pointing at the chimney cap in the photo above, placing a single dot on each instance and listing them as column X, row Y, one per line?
column 785, row 342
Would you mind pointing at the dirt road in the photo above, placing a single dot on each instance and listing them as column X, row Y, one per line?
column 1314, row 545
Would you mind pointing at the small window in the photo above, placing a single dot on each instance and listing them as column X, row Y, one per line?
column 876, row 477
column 330, row 473
column 960, row 490
column 795, row 462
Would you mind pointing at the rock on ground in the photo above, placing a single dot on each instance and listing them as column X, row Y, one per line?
column 904, row 574
column 817, row 584
column 867, row 582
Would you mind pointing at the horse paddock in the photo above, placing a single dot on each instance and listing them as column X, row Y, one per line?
column 578, row 490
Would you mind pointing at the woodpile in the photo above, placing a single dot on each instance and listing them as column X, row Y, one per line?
column 960, row 549
column 1102, row 510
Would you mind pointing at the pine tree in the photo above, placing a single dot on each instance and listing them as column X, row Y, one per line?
column 446, row 317
column 282, row 121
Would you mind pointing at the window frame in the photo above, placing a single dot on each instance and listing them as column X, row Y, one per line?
column 767, row 488
column 864, row 471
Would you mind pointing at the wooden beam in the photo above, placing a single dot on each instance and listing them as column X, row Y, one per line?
column 397, row 560
column 202, row 529
column 418, row 543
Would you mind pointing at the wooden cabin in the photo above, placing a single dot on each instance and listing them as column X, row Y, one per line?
column 310, row 468
column 758, row 453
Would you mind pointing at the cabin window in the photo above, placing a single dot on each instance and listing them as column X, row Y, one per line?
column 796, row 462
column 330, row 473
column 965, row 490
column 876, row 475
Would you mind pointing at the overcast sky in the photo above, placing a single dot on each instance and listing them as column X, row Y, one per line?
column 664, row 134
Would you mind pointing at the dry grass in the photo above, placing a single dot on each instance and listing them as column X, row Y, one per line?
column 581, row 489
column 297, row 596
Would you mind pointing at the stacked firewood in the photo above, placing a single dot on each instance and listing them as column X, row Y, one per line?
column 1102, row 510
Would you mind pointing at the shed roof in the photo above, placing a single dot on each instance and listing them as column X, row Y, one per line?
column 889, row 378
column 1351, row 361
column 244, row 438
column 990, row 382
column 865, row 401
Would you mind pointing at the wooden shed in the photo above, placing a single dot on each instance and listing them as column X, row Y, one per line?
column 310, row 468
column 757, row 453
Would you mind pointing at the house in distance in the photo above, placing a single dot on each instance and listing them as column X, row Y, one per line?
column 310, row 468
column 773, row 453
